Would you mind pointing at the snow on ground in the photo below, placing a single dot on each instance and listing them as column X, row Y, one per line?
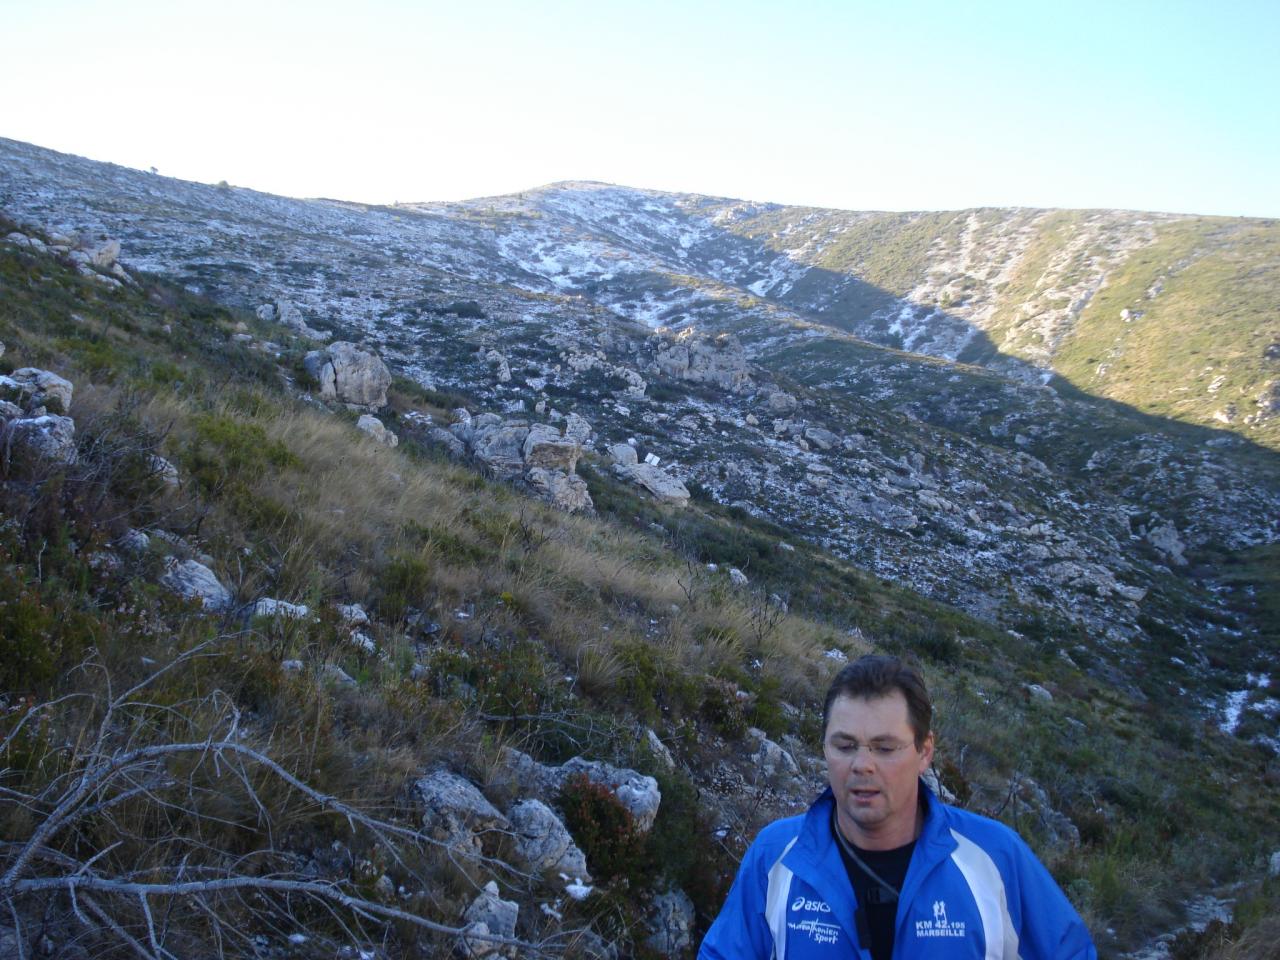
column 1232, row 709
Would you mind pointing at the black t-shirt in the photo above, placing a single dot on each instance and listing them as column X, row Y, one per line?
column 878, row 906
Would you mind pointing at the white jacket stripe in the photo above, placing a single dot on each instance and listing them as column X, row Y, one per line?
column 775, row 905
column 987, row 886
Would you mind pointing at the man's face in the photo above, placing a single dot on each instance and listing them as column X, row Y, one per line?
column 874, row 766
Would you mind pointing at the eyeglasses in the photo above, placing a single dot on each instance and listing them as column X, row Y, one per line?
column 880, row 749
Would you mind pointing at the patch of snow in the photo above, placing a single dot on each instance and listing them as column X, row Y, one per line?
column 1232, row 710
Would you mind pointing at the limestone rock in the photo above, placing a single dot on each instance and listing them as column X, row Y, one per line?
column 781, row 403
column 659, row 749
column 376, row 429
column 1268, row 400
column 332, row 673
column 134, row 542
column 577, row 429
column 50, row 437
column 287, row 314
column 545, row 447
column 105, row 254
column 31, row 387
column 1038, row 692
column 721, row 361
column 1059, row 830
column 501, row 448
column 769, row 757
column 503, row 369
column 663, row 486
column 452, row 445
column 934, row 783
column 671, row 922
column 490, row 914
column 623, row 453
column 267, row 607
column 564, row 491
column 454, row 810
column 353, row 613
column 350, row 375
column 543, row 842
column 820, row 438
column 1166, row 540
column 163, row 470
column 637, row 792
column 737, row 577
column 191, row 579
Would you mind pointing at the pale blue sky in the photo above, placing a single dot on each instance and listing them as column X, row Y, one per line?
column 862, row 105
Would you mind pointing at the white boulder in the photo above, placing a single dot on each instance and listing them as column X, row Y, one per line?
column 454, row 810
column 349, row 375
column 376, row 429
column 50, row 437
column 661, row 485
column 545, row 447
column 490, row 915
column 564, row 491
column 104, row 255
column 191, row 579
column 543, row 842
column 624, row 453
column 282, row 609
column 671, row 923
column 32, row 387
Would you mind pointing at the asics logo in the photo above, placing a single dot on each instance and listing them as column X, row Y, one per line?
column 800, row 903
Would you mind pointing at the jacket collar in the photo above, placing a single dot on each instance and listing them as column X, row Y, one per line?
column 816, row 860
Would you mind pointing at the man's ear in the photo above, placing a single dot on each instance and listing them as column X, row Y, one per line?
column 926, row 753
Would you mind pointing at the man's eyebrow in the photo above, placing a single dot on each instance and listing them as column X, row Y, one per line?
column 878, row 738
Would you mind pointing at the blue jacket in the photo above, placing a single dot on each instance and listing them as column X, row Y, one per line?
column 973, row 889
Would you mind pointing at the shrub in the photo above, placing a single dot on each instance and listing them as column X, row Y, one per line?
column 604, row 829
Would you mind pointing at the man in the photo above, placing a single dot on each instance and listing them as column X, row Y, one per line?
column 879, row 867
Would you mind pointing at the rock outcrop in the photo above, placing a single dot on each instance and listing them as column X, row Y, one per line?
column 50, row 438
column 671, row 923
column 662, row 485
column 195, row 581
column 32, row 388
column 490, row 915
column 543, row 842
column 720, row 361
column 455, row 811
column 287, row 314
column 347, row 374
column 376, row 429
column 564, row 491
column 540, row 454
column 636, row 791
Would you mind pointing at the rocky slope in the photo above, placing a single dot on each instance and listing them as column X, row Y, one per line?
column 280, row 483
column 1008, row 490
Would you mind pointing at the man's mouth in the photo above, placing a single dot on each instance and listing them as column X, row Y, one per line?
column 863, row 793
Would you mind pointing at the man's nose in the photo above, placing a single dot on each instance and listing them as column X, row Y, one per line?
column 863, row 759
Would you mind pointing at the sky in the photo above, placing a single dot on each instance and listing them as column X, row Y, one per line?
column 884, row 105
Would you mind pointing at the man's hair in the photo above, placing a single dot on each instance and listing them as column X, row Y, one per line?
column 875, row 676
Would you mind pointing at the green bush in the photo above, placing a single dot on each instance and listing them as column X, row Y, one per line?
column 604, row 829
column 225, row 450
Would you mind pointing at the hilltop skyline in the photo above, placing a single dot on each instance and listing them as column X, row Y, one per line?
column 845, row 106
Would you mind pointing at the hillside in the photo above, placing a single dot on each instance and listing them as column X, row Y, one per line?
column 1090, row 587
